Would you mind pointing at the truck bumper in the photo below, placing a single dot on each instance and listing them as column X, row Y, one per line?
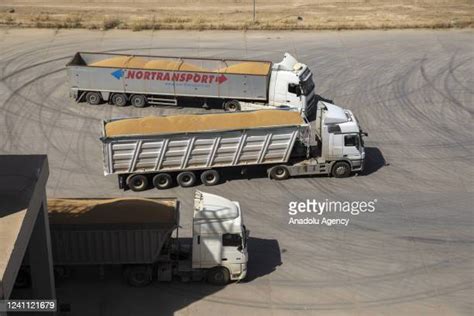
column 357, row 165
column 242, row 275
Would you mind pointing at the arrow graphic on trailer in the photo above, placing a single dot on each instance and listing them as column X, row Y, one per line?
column 118, row 74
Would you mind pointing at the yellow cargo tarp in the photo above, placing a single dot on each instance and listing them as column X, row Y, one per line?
column 196, row 123
column 121, row 62
column 172, row 65
column 111, row 211
column 249, row 68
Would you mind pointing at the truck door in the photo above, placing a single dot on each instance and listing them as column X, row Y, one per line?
column 278, row 90
column 351, row 148
column 336, row 143
column 211, row 250
column 293, row 95
column 231, row 248
column 196, row 250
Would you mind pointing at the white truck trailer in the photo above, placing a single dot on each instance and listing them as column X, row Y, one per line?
column 137, row 234
column 183, row 148
column 231, row 84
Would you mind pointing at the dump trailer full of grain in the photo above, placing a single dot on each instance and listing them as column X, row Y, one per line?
column 228, row 83
column 110, row 231
column 165, row 145
column 137, row 234
column 183, row 148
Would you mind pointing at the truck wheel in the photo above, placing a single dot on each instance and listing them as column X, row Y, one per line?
column 279, row 173
column 119, row 99
column 93, row 98
column 186, row 179
column 218, row 276
column 162, row 181
column 232, row 106
column 139, row 276
column 341, row 169
column 137, row 182
column 138, row 101
column 210, row 177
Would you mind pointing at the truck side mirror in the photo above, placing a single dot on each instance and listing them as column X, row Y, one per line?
column 239, row 248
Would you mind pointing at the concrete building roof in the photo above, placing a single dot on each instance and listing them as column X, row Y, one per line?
column 22, row 190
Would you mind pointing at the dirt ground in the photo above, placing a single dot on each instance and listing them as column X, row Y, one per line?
column 238, row 14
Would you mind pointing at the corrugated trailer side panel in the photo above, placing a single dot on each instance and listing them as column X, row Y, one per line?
column 199, row 151
column 106, row 245
column 94, row 79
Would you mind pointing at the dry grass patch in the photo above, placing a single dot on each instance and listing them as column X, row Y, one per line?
column 238, row 15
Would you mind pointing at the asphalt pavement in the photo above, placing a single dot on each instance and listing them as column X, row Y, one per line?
column 412, row 91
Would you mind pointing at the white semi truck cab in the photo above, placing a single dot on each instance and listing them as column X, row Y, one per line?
column 292, row 85
column 338, row 137
column 219, row 238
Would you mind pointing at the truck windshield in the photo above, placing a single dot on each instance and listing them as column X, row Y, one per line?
column 307, row 86
column 352, row 141
column 232, row 240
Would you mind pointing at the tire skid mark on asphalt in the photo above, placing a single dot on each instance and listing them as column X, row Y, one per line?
column 446, row 95
column 317, row 186
column 23, row 118
column 404, row 298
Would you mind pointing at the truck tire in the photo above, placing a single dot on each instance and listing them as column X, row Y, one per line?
column 279, row 172
column 137, row 182
column 138, row 101
column 341, row 169
column 162, row 181
column 93, row 98
column 186, row 179
column 139, row 276
column 119, row 99
column 218, row 276
column 232, row 106
column 210, row 177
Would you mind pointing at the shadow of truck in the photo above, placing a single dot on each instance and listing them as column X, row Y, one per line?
column 89, row 292
column 374, row 160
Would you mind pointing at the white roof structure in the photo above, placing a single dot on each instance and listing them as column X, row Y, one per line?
column 216, row 214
